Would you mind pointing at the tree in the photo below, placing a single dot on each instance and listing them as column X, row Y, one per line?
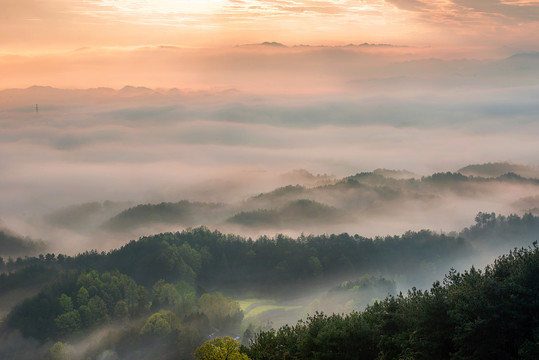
column 160, row 324
column 224, row 348
column 315, row 266
column 58, row 351
column 223, row 313
column 82, row 296
column 65, row 303
column 98, row 310
column 68, row 323
column 121, row 310
column 165, row 295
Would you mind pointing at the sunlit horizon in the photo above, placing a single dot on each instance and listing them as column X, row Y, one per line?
column 28, row 26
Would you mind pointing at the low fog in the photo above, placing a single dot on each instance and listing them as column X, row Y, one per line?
column 84, row 156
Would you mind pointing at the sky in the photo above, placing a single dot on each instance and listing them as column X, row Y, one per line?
column 92, row 43
column 30, row 26
column 144, row 101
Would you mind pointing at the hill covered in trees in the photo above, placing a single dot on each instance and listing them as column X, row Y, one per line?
column 498, row 169
column 12, row 244
column 291, row 214
column 490, row 314
column 392, row 200
column 181, row 213
column 159, row 297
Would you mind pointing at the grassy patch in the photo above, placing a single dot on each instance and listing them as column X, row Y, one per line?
column 258, row 310
column 245, row 303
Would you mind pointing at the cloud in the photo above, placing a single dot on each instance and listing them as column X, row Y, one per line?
column 14, row 346
column 337, row 110
column 97, row 145
column 466, row 12
column 518, row 11
column 43, row 26
column 411, row 5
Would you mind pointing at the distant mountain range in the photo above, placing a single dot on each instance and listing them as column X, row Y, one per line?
column 314, row 200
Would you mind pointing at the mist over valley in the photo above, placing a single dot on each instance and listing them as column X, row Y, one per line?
column 269, row 180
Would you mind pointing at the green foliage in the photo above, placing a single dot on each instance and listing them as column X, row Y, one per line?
column 222, row 348
column 473, row 315
column 179, row 298
column 59, row 351
column 366, row 282
column 294, row 213
column 121, row 310
column 315, row 266
column 511, row 230
column 186, row 291
column 68, row 323
column 223, row 313
column 160, row 324
column 98, row 311
column 210, row 259
column 65, row 303
column 165, row 295
column 82, row 296
column 51, row 314
column 530, row 348
column 158, row 257
column 357, row 294
column 451, row 319
column 28, row 277
column 318, row 337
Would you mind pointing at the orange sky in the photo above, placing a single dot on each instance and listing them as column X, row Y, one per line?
column 48, row 25
column 40, row 38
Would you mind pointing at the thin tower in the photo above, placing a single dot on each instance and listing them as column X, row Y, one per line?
column 37, row 108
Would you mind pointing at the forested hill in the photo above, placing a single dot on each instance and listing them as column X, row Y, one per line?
column 350, row 200
column 490, row 314
column 162, row 291
column 12, row 244
column 213, row 259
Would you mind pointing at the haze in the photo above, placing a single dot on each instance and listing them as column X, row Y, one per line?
column 139, row 145
column 216, row 101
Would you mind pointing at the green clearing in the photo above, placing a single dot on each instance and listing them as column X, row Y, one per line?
column 245, row 304
column 254, row 307
column 258, row 310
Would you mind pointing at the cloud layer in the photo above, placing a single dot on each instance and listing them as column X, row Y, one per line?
column 373, row 110
column 30, row 25
column 224, row 124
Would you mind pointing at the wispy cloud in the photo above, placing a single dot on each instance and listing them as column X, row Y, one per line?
column 465, row 11
column 411, row 5
column 65, row 24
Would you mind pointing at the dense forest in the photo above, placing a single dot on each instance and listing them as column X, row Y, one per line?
column 490, row 314
column 211, row 258
column 162, row 296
